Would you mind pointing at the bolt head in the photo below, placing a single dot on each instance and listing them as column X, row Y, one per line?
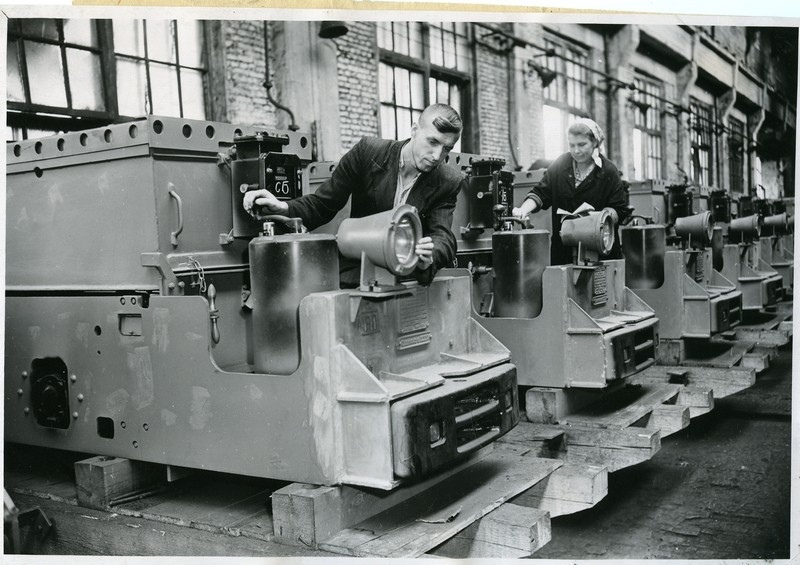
column 24, row 374
column 75, row 415
column 20, row 391
column 73, row 378
column 80, row 398
column 27, row 410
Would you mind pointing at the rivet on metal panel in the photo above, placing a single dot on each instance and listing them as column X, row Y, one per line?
column 75, row 415
column 123, row 425
column 20, row 391
column 24, row 374
column 73, row 378
column 145, row 426
column 135, row 444
column 27, row 410
column 80, row 398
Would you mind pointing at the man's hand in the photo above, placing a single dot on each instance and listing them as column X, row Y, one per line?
column 263, row 198
column 424, row 251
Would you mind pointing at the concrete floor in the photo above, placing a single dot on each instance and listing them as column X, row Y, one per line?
column 719, row 489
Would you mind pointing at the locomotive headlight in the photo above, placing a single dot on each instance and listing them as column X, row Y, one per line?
column 749, row 225
column 387, row 239
column 697, row 226
column 595, row 231
column 778, row 222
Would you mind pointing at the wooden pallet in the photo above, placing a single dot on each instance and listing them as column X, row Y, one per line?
column 771, row 326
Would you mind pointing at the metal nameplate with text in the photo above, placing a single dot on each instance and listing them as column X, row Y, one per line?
column 599, row 286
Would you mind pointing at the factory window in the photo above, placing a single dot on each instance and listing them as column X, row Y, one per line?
column 737, row 142
column 702, row 127
column 160, row 67
column 66, row 75
column 566, row 98
column 648, row 161
column 422, row 63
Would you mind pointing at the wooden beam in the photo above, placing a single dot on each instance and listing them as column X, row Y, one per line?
column 571, row 488
column 723, row 382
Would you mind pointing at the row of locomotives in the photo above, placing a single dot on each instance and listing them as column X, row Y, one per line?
column 576, row 331
column 673, row 261
column 149, row 317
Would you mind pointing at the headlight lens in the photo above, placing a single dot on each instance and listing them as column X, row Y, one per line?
column 404, row 240
column 607, row 235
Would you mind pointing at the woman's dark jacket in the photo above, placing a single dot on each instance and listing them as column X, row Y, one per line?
column 602, row 189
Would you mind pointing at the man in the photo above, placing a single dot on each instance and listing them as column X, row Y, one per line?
column 383, row 174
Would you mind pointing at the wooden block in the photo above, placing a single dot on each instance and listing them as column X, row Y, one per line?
column 510, row 531
column 543, row 440
column 625, row 408
column 770, row 350
column 304, row 515
column 571, row 488
column 787, row 327
column 758, row 361
column 104, row 481
column 552, row 405
column 700, row 400
column 427, row 520
column 614, row 449
column 669, row 418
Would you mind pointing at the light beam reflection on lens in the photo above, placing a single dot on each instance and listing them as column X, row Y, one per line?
column 404, row 240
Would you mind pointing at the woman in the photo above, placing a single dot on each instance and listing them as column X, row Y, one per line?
column 582, row 175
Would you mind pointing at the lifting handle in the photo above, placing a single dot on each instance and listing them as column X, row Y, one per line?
column 173, row 236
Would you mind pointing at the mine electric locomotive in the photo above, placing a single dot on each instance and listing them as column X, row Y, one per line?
column 772, row 243
column 149, row 317
column 671, row 263
column 570, row 326
column 760, row 284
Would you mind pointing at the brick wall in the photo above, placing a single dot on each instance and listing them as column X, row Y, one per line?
column 492, row 104
column 358, row 83
column 246, row 98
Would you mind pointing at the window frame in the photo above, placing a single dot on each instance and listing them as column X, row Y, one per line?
column 737, row 158
column 707, row 126
column 463, row 80
column 28, row 115
column 561, row 62
column 650, row 91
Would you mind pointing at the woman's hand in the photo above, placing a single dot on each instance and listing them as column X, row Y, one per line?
column 526, row 208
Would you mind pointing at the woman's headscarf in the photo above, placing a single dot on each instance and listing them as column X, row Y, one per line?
column 596, row 132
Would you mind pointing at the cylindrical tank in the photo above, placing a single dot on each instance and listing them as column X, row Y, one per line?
column 644, row 248
column 519, row 259
column 717, row 247
column 283, row 270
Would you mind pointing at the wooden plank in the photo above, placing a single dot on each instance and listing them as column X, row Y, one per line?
column 102, row 481
column 434, row 516
column 543, row 440
column 306, row 514
column 723, row 382
column 624, row 408
column 715, row 352
column 510, row 531
column 85, row 531
column 570, row 488
column 775, row 337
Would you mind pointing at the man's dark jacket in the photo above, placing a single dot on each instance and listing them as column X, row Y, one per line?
column 368, row 173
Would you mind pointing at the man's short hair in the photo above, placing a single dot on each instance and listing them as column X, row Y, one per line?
column 443, row 117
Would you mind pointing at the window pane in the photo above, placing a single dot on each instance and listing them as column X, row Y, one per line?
column 455, row 98
column 85, row 80
column 385, row 35
column 443, row 92
column 128, row 37
column 638, row 150
column 462, row 54
column 437, row 58
column 40, row 28
column 387, row 123
column 417, row 90
column 190, row 43
column 402, row 87
column 403, row 123
column 193, row 94
column 131, row 87
column 164, row 87
column 45, row 74
column 82, row 32
column 16, row 91
column 401, row 37
column 449, row 49
column 160, row 41
column 415, row 39
column 385, row 83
